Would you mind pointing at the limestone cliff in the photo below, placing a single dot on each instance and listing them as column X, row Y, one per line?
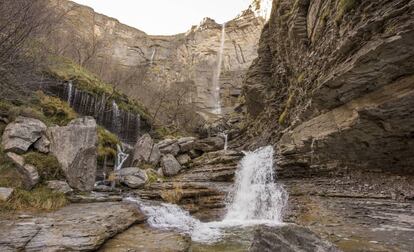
column 188, row 59
column 333, row 86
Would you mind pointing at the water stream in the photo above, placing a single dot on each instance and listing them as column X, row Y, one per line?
column 256, row 199
column 217, row 73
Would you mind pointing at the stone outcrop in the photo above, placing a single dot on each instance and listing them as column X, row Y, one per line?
column 288, row 238
column 209, row 144
column 145, row 151
column 170, row 166
column 29, row 172
column 22, row 133
column 132, row 177
column 78, row 227
column 188, row 59
column 59, row 186
column 74, row 146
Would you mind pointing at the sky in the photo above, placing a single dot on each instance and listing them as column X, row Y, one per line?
column 167, row 17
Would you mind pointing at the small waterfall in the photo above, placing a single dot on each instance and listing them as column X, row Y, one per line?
column 153, row 56
column 257, row 196
column 217, row 73
column 115, row 118
column 226, row 137
column 121, row 157
column 256, row 199
column 70, row 92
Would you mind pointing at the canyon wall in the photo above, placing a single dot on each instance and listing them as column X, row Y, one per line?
column 333, row 86
column 145, row 61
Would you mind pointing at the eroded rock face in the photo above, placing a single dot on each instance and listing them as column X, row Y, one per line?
column 337, row 84
column 22, row 133
column 185, row 59
column 78, row 227
column 209, row 144
column 145, row 151
column 59, row 186
column 5, row 193
column 289, row 238
column 169, row 146
column 74, row 146
column 170, row 165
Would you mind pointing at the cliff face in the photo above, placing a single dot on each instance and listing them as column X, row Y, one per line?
column 333, row 86
column 188, row 59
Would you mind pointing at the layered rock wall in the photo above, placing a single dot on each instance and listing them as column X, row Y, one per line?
column 188, row 59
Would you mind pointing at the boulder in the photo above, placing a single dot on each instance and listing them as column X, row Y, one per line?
column 5, row 193
column 59, row 186
column 170, row 165
column 74, row 146
column 186, row 144
column 209, row 144
column 288, row 238
column 132, row 177
column 21, row 134
column 168, row 146
column 184, row 159
column 42, row 145
column 145, row 151
column 28, row 172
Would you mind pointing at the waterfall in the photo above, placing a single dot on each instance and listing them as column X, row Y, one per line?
column 115, row 117
column 257, row 196
column 153, row 55
column 121, row 157
column 216, row 77
column 70, row 91
column 256, row 199
column 226, row 137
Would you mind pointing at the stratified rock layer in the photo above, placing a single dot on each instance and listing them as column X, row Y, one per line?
column 78, row 227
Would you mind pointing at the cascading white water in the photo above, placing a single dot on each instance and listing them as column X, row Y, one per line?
column 115, row 117
column 257, row 199
column 152, row 56
column 217, row 73
column 226, row 138
column 70, row 91
column 257, row 196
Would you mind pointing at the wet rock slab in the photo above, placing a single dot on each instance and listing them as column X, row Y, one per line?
column 143, row 238
column 77, row 227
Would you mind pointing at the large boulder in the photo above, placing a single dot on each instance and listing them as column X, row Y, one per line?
column 5, row 193
column 209, row 144
column 21, row 134
column 169, row 146
column 74, row 146
column 42, row 145
column 184, row 159
column 170, row 165
column 289, row 238
column 132, row 177
column 29, row 172
column 145, row 151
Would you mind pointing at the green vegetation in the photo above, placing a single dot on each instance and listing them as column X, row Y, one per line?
column 47, row 109
column 344, row 7
column 40, row 198
column 47, row 166
column 282, row 117
column 106, row 144
column 65, row 69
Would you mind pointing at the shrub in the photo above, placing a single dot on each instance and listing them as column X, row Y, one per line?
column 57, row 111
column 47, row 166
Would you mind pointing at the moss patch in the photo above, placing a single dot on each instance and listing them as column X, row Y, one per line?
column 106, row 144
column 344, row 7
column 47, row 166
column 9, row 176
column 56, row 111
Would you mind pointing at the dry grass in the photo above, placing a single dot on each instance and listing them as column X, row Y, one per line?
column 174, row 195
column 40, row 198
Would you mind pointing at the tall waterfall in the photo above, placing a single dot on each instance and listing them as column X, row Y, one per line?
column 70, row 92
column 256, row 199
column 217, row 73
